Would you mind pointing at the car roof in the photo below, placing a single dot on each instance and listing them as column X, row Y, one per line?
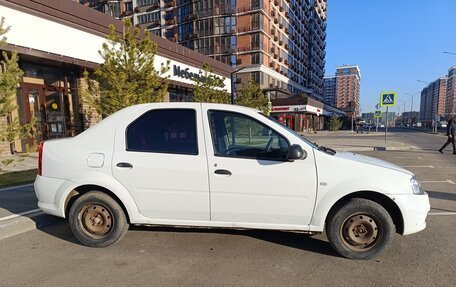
column 196, row 104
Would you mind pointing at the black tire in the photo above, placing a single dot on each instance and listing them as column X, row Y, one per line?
column 97, row 220
column 360, row 229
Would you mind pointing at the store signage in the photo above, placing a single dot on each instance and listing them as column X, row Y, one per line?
column 187, row 74
column 289, row 109
column 280, row 109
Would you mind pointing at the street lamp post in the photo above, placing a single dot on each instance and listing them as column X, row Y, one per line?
column 233, row 85
column 411, row 107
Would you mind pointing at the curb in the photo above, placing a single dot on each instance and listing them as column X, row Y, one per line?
column 22, row 223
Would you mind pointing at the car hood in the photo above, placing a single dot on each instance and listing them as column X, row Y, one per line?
column 371, row 161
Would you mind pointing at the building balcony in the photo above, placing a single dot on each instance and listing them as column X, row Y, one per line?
column 244, row 49
column 169, row 5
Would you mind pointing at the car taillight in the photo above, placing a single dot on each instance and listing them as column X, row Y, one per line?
column 40, row 158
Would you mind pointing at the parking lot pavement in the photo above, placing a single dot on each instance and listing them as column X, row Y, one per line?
column 15, row 200
column 176, row 257
column 19, row 211
column 166, row 256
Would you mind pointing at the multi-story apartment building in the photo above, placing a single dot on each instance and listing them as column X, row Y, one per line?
column 432, row 105
column 450, row 96
column 116, row 8
column 278, row 43
column 348, row 79
column 330, row 84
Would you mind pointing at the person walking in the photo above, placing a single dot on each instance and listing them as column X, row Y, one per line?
column 451, row 133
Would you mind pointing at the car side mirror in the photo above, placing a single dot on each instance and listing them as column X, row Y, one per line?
column 296, row 152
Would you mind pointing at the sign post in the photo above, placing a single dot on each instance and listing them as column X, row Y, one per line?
column 377, row 116
column 387, row 99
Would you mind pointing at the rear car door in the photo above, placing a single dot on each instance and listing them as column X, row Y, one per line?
column 159, row 156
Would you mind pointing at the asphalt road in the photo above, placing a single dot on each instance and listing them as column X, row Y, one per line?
column 166, row 256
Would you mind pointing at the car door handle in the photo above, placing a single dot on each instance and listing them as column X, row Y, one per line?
column 124, row 165
column 222, row 172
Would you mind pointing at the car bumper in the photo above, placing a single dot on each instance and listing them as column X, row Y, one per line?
column 51, row 194
column 414, row 211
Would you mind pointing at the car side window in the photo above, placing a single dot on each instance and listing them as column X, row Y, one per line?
column 164, row 131
column 236, row 135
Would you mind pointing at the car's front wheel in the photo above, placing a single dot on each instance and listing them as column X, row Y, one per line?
column 360, row 229
column 97, row 220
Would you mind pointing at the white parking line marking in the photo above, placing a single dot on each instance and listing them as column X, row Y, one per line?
column 438, row 181
column 16, row 187
column 429, row 166
column 442, row 213
column 19, row 214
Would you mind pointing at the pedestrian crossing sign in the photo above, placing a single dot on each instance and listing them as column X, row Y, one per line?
column 377, row 114
column 388, row 99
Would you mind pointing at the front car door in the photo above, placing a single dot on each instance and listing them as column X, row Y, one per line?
column 251, row 182
column 160, row 157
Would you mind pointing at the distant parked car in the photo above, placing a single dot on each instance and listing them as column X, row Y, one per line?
column 382, row 125
column 213, row 165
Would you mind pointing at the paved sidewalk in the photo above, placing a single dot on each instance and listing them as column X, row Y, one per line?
column 349, row 141
column 20, row 162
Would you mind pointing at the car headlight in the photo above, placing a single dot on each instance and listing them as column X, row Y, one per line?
column 416, row 186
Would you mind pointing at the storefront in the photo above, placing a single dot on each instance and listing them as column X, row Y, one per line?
column 302, row 113
column 56, row 43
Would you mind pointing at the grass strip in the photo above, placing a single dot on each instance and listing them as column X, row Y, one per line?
column 17, row 177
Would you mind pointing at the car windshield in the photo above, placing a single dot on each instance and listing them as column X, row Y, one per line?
column 291, row 131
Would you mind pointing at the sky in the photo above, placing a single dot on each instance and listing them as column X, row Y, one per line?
column 394, row 42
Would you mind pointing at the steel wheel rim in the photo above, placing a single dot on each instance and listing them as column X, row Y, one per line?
column 95, row 220
column 361, row 232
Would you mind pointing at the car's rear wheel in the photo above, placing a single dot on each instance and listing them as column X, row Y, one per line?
column 97, row 220
column 360, row 229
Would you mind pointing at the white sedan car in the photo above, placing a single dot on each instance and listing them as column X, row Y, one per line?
column 222, row 166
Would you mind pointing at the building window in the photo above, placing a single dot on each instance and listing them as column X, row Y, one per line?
column 256, row 77
column 256, row 58
column 140, row 3
column 256, row 44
